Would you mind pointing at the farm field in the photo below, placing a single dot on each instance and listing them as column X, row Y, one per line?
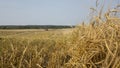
column 47, row 34
column 89, row 45
column 85, row 46
column 32, row 33
column 28, row 48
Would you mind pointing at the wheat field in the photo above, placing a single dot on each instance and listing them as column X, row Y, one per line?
column 93, row 45
column 85, row 46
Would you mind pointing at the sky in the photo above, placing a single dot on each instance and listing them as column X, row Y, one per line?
column 45, row 12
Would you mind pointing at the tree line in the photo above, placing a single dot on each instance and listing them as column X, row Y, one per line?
column 35, row 26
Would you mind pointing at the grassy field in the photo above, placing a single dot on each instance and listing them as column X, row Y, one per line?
column 86, row 46
column 33, row 33
column 93, row 45
column 33, row 48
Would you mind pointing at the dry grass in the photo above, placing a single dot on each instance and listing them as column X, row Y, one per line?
column 32, row 49
column 88, row 46
column 96, row 45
